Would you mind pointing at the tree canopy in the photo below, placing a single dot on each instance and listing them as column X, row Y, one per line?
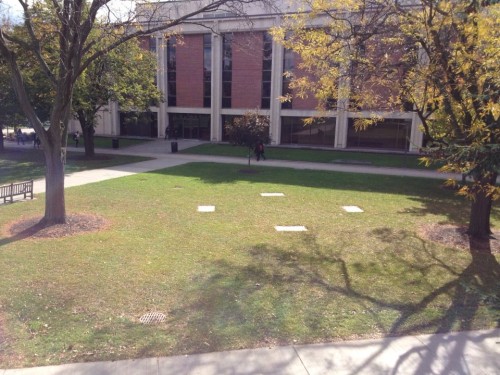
column 59, row 37
column 436, row 58
column 248, row 130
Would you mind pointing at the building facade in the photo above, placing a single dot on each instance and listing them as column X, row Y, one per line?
column 222, row 65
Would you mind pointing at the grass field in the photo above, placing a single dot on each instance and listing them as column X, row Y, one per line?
column 27, row 164
column 227, row 279
column 315, row 155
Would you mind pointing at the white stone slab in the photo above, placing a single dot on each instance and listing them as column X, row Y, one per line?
column 291, row 228
column 206, row 208
column 352, row 209
column 272, row 194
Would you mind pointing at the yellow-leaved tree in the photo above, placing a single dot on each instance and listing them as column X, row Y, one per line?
column 437, row 58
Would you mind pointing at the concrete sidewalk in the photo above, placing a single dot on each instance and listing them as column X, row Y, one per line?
column 159, row 150
column 474, row 353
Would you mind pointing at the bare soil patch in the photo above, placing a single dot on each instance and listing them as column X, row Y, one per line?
column 75, row 224
column 457, row 237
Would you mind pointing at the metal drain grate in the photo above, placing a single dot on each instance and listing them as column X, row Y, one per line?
column 152, row 317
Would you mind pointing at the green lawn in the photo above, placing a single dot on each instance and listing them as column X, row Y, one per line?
column 314, row 155
column 27, row 164
column 227, row 279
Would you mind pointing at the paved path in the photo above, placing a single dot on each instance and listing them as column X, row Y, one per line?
column 474, row 353
column 163, row 158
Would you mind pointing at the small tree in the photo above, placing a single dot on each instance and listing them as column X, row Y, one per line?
column 125, row 75
column 248, row 130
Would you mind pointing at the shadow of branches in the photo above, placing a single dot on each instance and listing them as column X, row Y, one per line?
column 285, row 296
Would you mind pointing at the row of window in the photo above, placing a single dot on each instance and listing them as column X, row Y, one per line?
column 390, row 134
column 227, row 70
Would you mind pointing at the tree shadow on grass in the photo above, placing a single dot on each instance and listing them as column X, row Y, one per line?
column 23, row 234
column 255, row 304
column 428, row 194
column 213, row 173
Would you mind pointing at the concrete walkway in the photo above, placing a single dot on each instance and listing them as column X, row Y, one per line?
column 474, row 353
column 160, row 150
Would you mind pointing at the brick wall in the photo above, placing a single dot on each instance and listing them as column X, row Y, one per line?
column 310, row 102
column 381, row 96
column 246, row 89
column 189, row 66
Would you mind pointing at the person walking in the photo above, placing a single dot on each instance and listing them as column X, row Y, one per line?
column 36, row 141
column 259, row 151
column 19, row 136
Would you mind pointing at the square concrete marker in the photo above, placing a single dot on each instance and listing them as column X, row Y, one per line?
column 352, row 209
column 206, row 208
column 272, row 194
column 291, row 228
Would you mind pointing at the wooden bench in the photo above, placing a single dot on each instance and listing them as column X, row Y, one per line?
column 19, row 188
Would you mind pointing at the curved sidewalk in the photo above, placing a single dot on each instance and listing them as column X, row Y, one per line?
column 474, row 353
column 159, row 150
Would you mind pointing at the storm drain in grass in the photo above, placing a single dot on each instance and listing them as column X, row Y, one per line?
column 352, row 209
column 272, row 194
column 206, row 208
column 152, row 318
column 290, row 228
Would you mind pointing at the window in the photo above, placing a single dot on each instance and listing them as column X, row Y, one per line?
column 152, row 44
column 227, row 69
column 391, row 134
column 288, row 66
column 207, row 70
column 320, row 133
column 190, row 126
column 267, row 57
column 171, row 72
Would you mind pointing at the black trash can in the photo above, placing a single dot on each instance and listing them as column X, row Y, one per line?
column 115, row 142
column 174, row 147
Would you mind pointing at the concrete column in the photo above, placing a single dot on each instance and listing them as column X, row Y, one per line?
column 341, row 129
column 215, row 113
column 161, row 79
column 416, row 135
column 114, row 116
column 276, row 86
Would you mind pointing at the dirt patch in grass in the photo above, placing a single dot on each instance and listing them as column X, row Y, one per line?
column 457, row 237
column 75, row 224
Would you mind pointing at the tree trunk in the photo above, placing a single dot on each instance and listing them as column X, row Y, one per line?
column 88, row 141
column 1, row 139
column 55, row 208
column 87, row 131
column 479, row 222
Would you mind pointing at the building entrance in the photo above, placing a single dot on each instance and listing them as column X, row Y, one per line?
column 189, row 126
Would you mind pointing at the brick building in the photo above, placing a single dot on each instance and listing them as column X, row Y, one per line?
column 222, row 65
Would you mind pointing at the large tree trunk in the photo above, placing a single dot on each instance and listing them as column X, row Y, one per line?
column 479, row 222
column 55, row 211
